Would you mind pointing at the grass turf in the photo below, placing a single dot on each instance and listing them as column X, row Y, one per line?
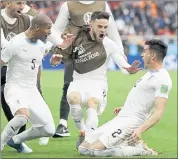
column 162, row 137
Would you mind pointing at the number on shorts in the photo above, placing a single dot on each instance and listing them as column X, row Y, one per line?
column 33, row 64
column 114, row 134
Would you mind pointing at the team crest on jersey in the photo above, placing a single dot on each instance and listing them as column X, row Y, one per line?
column 10, row 36
column 164, row 88
column 79, row 49
column 87, row 17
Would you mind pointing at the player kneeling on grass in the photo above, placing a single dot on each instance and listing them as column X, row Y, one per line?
column 143, row 108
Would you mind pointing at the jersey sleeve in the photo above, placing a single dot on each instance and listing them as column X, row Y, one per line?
column 4, row 42
column 9, row 51
column 163, row 88
column 118, row 58
column 62, row 18
column 113, row 31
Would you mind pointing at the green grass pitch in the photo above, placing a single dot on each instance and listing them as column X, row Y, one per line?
column 162, row 137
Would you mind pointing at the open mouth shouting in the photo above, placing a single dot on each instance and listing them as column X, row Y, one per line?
column 19, row 13
column 101, row 36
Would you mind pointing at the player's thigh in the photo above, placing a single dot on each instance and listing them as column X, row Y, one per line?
column 99, row 92
column 16, row 97
column 76, row 86
column 116, row 132
column 40, row 113
column 100, row 131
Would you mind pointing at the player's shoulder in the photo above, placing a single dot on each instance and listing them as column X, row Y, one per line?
column 18, row 39
column 109, row 43
column 164, row 76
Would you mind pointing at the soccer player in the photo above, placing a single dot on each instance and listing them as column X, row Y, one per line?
column 143, row 108
column 24, row 55
column 73, row 14
column 90, row 53
column 13, row 22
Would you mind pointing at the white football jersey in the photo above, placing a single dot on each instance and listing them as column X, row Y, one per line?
column 141, row 99
column 24, row 59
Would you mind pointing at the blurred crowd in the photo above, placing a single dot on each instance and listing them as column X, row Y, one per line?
column 145, row 17
column 135, row 20
column 132, row 17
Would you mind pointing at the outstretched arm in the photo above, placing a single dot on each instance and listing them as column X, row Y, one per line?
column 124, row 66
column 62, row 18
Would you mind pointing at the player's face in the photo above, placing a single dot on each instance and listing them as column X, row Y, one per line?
column 16, row 8
column 99, row 29
column 44, row 32
column 147, row 56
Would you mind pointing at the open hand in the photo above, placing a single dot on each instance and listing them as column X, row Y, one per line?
column 134, row 68
column 68, row 39
column 56, row 59
column 135, row 136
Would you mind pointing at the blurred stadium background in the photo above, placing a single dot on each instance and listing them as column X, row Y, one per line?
column 136, row 21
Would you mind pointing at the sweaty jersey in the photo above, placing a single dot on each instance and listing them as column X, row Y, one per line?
column 24, row 59
column 141, row 99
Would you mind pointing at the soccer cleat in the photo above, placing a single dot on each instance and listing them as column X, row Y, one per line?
column 150, row 151
column 61, row 131
column 21, row 148
column 43, row 140
column 80, row 139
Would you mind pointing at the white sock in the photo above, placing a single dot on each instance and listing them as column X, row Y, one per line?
column 34, row 132
column 26, row 135
column 77, row 116
column 13, row 127
column 91, row 120
column 120, row 151
column 63, row 122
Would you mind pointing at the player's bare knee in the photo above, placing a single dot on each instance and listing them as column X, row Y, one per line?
column 23, row 111
column 74, row 98
column 93, row 103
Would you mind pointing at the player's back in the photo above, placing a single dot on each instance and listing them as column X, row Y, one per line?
column 26, row 57
column 141, row 99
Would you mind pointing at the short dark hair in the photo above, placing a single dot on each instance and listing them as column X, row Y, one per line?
column 158, row 46
column 100, row 15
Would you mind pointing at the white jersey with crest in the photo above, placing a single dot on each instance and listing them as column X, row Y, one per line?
column 24, row 59
column 140, row 101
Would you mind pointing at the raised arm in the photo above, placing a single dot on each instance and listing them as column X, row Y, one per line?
column 121, row 61
column 113, row 32
column 62, row 18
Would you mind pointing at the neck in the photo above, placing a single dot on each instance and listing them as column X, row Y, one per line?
column 31, row 36
column 92, row 36
column 156, row 66
column 7, row 11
